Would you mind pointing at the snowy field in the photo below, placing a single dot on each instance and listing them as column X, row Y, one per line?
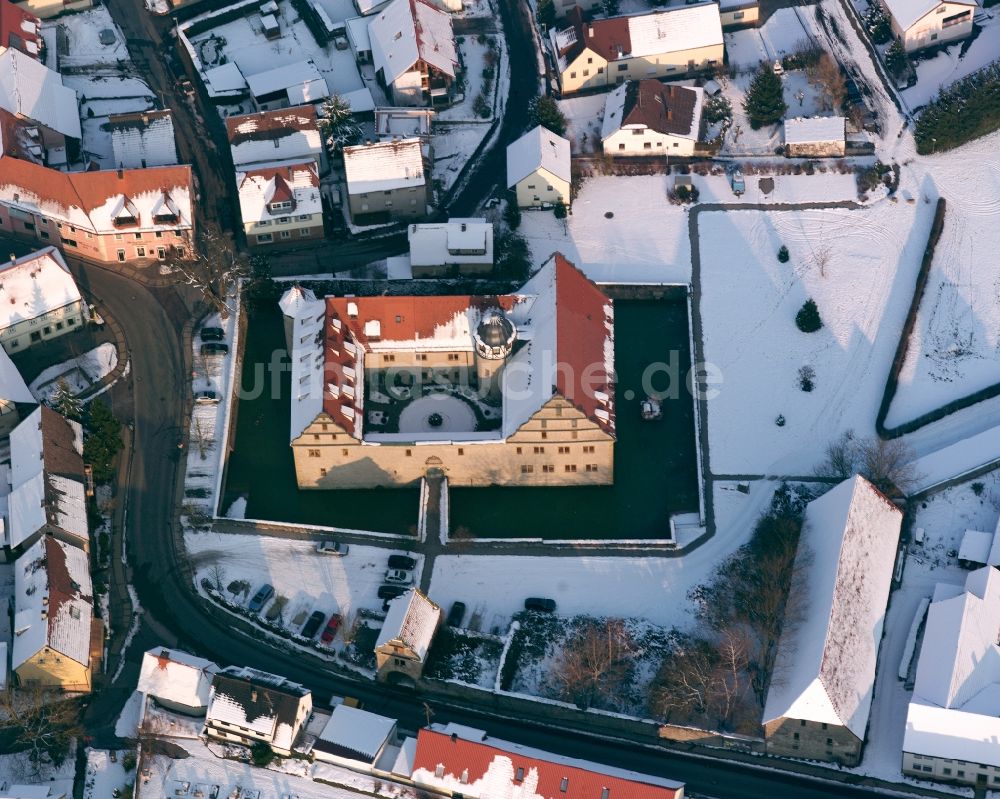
column 859, row 267
column 948, row 66
column 309, row 580
column 648, row 588
column 955, row 349
column 80, row 373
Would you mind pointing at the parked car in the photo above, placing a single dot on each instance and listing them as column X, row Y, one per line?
column 399, row 576
column 212, row 334
column 330, row 631
column 311, row 627
column 390, row 591
column 540, row 603
column 456, row 615
column 260, row 598
column 736, row 180
column 214, row 348
column 402, row 562
column 203, row 397
column 332, row 548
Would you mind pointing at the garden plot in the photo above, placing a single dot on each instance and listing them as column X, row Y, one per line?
column 859, row 267
column 306, row 579
column 107, row 778
column 80, row 373
column 242, row 41
column 465, row 656
column 955, row 348
column 950, row 64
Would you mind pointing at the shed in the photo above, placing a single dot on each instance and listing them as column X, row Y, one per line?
column 354, row 734
column 816, row 137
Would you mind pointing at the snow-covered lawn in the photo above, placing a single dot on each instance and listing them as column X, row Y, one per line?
column 749, row 303
column 307, row 579
column 955, row 349
column 80, row 373
column 583, row 121
column 946, row 67
column 104, row 776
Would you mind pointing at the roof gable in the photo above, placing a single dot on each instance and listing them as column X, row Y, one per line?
column 30, row 89
column 539, row 148
column 411, row 622
column 406, row 31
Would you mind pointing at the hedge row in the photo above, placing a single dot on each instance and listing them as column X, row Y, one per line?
column 966, row 110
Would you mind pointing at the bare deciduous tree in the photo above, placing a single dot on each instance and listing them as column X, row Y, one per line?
column 595, row 661
column 217, row 574
column 889, row 465
column 214, row 269
column 41, row 722
column 826, row 74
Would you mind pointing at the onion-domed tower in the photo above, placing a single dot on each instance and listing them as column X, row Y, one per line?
column 494, row 340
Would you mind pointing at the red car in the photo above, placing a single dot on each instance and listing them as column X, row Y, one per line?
column 331, row 628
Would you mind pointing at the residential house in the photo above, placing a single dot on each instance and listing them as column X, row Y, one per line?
column 21, row 30
column 815, row 137
column 143, row 139
column 820, row 695
column 47, row 494
column 34, row 93
column 225, row 84
column 247, row 706
column 673, row 43
column 413, row 50
column 538, row 169
column 51, row 8
column 547, row 425
column 290, row 85
column 353, row 735
column 280, row 203
column 135, row 215
column 406, row 636
column 647, row 117
column 928, row 23
column 462, row 246
column 385, row 181
column 456, row 760
column 286, row 134
column 177, row 681
column 58, row 643
column 953, row 719
column 736, row 14
column 39, row 300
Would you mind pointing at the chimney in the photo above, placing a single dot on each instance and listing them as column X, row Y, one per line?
column 463, row 227
column 121, row 173
column 253, row 694
column 590, row 31
column 454, row 737
column 13, row 259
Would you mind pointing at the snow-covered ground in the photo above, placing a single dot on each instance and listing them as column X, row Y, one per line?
column 307, row 579
column 859, row 267
column 105, row 776
column 955, row 349
column 209, row 419
column 80, row 373
column 18, row 769
column 948, row 66
column 583, row 121
column 127, row 725
column 652, row 588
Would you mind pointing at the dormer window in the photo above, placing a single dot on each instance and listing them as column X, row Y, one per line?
column 165, row 210
column 124, row 212
column 281, row 205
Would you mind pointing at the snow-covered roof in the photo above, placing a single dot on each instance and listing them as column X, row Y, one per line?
column 360, row 101
column 683, row 28
column 280, row 135
column 384, row 166
column 265, row 703
column 20, row 29
column 975, row 547
column 308, row 315
column 34, row 285
column 407, row 31
column 284, row 78
column 411, row 622
column 12, row 385
column 355, row 733
column 539, row 148
column 30, row 89
column 405, row 123
column 31, row 792
column 955, row 709
column 177, row 677
column 53, row 602
column 158, row 197
column 225, row 80
column 825, row 668
column 143, row 139
column 909, row 12
column 263, row 184
column 475, row 764
column 664, row 108
column 357, row 33
column 467, row 241
column 809, row 130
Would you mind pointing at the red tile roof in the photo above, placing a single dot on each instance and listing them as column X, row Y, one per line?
column 14, row 138
column 13, row 31
column 270, row 125
column 581, row 332
column 609, row 38
column 458, row 755
column 665, row 108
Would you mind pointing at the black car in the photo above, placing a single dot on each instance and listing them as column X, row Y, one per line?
column 214, row 348
column 391, row 591
column 456, row 615
column 212, row 334
column 311, row 627
column 402, row 562
column 540, row 603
